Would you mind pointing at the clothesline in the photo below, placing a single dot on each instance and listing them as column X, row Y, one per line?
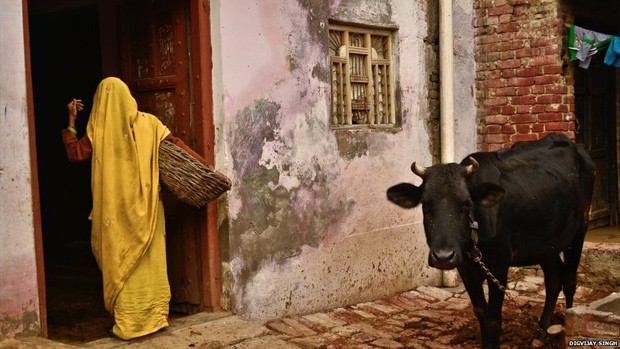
column 584, row 43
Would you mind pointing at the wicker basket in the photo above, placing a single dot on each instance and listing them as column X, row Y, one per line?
column 187, row 178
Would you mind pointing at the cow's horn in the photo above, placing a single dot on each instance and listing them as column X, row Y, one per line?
column 473, row 167
column 418, row 170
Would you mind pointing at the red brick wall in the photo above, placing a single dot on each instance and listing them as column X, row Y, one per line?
column 522, row 89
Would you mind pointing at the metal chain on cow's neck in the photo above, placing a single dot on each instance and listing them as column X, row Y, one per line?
column 476, row 256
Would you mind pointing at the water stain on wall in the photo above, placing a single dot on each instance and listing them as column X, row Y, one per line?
column 275, row 222
column 25, row 323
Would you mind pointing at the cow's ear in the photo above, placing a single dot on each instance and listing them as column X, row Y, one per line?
column 405, row 195
column 487, row 194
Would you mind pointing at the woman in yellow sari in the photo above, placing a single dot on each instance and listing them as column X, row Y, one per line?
column 128, row 229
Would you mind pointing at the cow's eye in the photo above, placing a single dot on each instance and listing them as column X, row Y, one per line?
column 466, row 205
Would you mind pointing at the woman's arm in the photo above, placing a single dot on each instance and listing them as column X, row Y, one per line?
column 77, row 150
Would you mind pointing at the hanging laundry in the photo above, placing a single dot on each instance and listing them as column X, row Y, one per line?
column 612, row 57
column 584, row 43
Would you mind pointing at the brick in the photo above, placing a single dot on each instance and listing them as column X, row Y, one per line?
column 505, row 18
column 523, row 118
column 523, row 109
column 299, row 327
column 345, row 331
column 387, row 344
column 546, row 117
column 373, row 332
column 524, row 100
column 556, row 89
column 324, row 320
column 508, row 27
column 508, row 64
column 493, row 129
column 547, row 99
column 435, row 292
column 552, row 50
column 314, row 342
column 508, row 110
column 346, row 315
column 529, row 52
column 524, row 128
column 538, row 127
column 499, row 10
column 496, row 119
column 538, row 89
column 553, row 69
column 524, row 90
column 543, row 60
column 485, row 3
column 403, row 302
column 521, row 81
column 530, row 71
column 505, row 91
column 508, row 54
column 508, row 73
column 508, row 129
column 364, row 314
column 494, row 110
column 538, row 42
column 546, row 79
column 497, row 138
column 362, row 337
column 496, row 101
column 494, row 147
column 524, row 137
column 494, row 83
column 284, row 328
column 552, row 107
column 556, row 126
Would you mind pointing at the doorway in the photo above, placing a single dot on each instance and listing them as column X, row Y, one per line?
column 596, row 127
column 73, row 45
column 65, row 59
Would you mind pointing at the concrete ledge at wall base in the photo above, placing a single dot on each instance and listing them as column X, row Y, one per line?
column 593, row 323
column 598, row 268
column 31, row 343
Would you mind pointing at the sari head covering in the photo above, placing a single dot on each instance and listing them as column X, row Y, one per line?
column 124, row 183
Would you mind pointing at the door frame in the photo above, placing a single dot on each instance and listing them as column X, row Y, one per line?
column 201, row 67
column 202, row 91
column 36, row 201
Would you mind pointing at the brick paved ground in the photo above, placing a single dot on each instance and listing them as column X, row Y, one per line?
column 427, row 317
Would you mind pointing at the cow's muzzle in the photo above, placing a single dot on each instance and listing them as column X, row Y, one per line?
column 443, row 259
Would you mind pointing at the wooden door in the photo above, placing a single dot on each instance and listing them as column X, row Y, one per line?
column 595, row 109
column 155, row 65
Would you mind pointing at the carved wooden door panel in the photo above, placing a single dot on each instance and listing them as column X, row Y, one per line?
column 154, row 63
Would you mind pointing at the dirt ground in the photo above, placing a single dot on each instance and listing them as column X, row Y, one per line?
column 75, row 312
column 76, row 315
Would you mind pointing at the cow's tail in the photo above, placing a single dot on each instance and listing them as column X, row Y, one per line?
column 587, row 173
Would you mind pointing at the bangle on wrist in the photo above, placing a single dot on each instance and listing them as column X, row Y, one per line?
column 72, row 130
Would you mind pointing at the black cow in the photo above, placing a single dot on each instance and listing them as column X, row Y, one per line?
column 530, row 203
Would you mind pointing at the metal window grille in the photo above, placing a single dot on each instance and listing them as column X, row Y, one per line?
column 361, row 77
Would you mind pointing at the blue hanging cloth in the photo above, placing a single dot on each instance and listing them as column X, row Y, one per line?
column 612, row 57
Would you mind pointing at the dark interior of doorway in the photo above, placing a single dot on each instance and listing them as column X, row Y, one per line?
column 65, row 57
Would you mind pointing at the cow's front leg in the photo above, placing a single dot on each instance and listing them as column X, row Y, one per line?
column 472, row 280
column 496, row 300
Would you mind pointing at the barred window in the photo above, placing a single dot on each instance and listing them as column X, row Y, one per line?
column 361, row 77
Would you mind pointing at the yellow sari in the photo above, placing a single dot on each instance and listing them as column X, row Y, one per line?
column 128, row 229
